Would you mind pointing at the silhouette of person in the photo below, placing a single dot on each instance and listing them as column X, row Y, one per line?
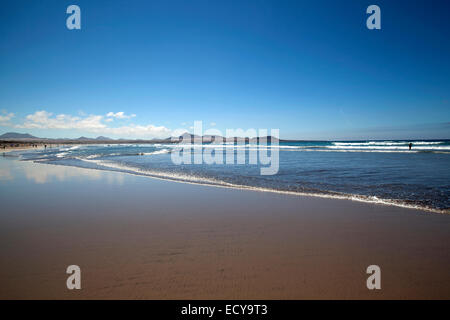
column 410, row 146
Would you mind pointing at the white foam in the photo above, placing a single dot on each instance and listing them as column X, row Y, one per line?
column 389, row 147
column 162, row 151
column 375, row 146
column 178, row 177
column 162, row 175
column 61, row 154
column 387, row 143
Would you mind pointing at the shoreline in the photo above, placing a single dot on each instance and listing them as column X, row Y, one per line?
column 348, row 197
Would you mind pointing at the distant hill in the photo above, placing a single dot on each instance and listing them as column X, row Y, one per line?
column 16, row 135
column 210, row 138
column 99, row 138
column 185, row 137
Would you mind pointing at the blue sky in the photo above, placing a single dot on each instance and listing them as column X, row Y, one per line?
column 310, row 68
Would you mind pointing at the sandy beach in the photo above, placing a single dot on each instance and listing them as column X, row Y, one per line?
column 140, row 238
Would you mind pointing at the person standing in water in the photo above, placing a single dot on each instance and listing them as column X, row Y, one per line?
column 410, row 146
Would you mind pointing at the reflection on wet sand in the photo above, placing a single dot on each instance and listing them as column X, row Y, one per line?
column 5, row 174
column 43, row 173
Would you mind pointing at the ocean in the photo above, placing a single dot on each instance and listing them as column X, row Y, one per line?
column 383, row 172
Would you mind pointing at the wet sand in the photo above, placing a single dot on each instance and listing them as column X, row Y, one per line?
column 141, row 238
column 19, row 148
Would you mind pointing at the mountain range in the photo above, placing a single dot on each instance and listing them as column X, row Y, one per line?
column 15, row 136
column 24, row 136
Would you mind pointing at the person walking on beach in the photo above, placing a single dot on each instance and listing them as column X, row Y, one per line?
column 410, row 146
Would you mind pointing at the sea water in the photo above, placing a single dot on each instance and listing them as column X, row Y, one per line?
column 384, row 172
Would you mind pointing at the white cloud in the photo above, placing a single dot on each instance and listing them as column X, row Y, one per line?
column 5, row 117
column 92, row 123
column 212, row 124
column 137, row 131
column 44, row 120
column 120, row 115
